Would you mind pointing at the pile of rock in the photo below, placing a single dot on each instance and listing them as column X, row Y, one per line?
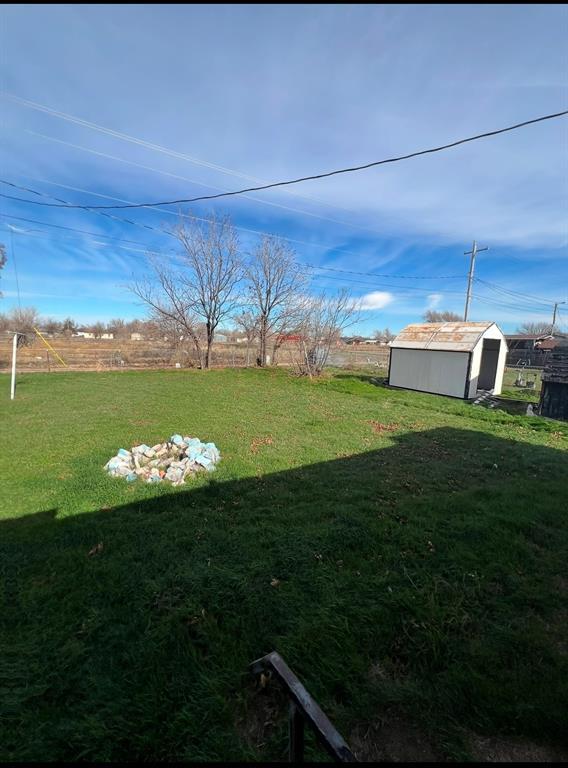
column 173, row 460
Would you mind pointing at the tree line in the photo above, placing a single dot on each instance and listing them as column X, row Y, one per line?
column 264, row 291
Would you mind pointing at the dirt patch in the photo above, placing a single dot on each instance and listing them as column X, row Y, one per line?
column 378, row 427
column 499, row 750
column 258, row 442
column 265, row 710
column 392, row 738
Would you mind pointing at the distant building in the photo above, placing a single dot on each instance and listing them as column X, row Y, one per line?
column 84, row 334
column 289, row 337
column 136, row 337
column 531, row 350
column 522, row 341
column 526, row 341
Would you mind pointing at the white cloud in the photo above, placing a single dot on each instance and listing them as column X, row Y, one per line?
column 434, row 300
column 376, row 300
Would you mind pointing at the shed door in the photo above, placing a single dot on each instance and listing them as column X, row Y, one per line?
column 442, row 373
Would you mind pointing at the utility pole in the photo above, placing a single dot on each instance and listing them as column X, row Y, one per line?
column 473, row 253
column 556, row 304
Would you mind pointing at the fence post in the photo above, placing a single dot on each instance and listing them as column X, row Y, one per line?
column 295, row 734
column 13, row 380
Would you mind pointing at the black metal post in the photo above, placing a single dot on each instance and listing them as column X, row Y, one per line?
column 303, row 709
column 296, row 735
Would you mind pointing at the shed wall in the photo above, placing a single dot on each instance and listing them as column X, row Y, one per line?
column 491, row 333
column 438, row 372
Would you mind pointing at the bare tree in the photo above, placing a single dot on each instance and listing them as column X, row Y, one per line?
column 169, row 306
column 24, row 319
column 117, row 327
column 275, row 282
column 247, row 322
column 51, row 326
column 98, row 329
column 534, row 329
column 325, row 320
column 69, row 326
column 384, row 336
column 202, row 289
column 432, row 316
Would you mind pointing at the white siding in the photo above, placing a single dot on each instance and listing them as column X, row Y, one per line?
column 442, row 373
column 491, row 333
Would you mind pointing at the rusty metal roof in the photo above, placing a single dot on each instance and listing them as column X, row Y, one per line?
column 451, row 337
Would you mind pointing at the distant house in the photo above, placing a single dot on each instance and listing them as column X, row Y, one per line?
column 137, row 337
column 516, row 341
column 529, row 349
column 84, row 334
column 289, row 337
column 546, row 343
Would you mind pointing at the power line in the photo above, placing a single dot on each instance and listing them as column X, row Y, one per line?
column 70, row 229
column 494, row 286
column 309, row 267
column 155, row 147
column 38, row 233
column 162, row 232
column 327, row 174
column 499, row 288
column 173, row 213
column 384, row 285
column 377, row 274
column 518, row 308
column 15, row 267
column 523, row 307
column 89, row 209
column 207, row 186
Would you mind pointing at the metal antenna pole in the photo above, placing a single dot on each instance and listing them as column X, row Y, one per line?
column 473, row 253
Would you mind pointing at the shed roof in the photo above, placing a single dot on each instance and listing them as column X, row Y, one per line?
column 451, row 337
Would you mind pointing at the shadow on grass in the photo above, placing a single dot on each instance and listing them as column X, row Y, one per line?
column 429, row 575
column 378, row 378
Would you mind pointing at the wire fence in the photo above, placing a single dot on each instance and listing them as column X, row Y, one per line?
column 82, row 354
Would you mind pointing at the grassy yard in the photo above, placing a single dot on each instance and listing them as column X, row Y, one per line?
column 406, row 554
column 510, row 391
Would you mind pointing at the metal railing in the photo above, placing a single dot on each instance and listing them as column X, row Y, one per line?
column 303, row 709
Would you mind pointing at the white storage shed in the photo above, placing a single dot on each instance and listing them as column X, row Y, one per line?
column 455, row 359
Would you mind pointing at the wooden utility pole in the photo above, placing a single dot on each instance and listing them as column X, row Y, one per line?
column 473, row 253
column 556, row 303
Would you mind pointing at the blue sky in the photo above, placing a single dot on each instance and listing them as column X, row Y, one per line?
column 226, row 94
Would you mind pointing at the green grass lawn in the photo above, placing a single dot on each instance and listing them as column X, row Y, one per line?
column 405, row 553
column 510, row 391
